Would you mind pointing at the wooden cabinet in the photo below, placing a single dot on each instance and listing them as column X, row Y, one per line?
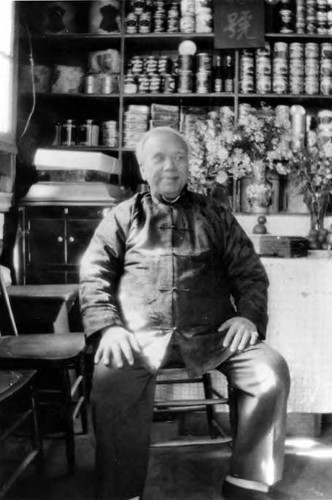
column 53, row 240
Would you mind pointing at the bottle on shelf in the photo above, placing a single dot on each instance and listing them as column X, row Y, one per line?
column 229, row 74
column 218, row 75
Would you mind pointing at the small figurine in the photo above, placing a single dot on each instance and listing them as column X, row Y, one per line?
column 260, row 228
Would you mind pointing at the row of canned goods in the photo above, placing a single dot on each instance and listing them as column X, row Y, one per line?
column 184, row 82
column 138, row 65
column 296, row 68
column 88, row 133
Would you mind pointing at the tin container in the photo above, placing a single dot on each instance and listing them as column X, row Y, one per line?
column 186, row 62
column 185, row 82
column 203, row 82
column 131, row 23
column 187, row 8
column 311, row 84
column 280, row 84
column 88, row 134
column 110, row 84
column 150, row 65
column 326, row 85
column 204, row 21
column 137, row 65
column 203, row 61
column 68, row 133
column 187, row 24
column 144, row 23
column 130, row 84
column 90, row 84
column 155, row 83
column 168, row 83
column 143, row 84
column 263, row 84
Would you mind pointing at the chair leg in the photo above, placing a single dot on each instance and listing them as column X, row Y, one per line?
column 36, row 433
column 209, row 409
column 69, row 424
column 83, row 395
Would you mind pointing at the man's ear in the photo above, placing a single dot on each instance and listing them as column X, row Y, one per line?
column 141, row 168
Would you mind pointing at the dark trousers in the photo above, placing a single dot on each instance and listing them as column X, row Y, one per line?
column 122, row 414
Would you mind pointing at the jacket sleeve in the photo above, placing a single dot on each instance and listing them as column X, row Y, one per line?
column 100, row 272
column 246, row 274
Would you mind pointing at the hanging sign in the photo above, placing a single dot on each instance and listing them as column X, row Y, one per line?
column 239, row 24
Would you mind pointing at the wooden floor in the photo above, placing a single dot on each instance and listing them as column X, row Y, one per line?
column 184, row 474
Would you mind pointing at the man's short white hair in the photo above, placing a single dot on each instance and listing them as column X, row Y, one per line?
column 158, row 130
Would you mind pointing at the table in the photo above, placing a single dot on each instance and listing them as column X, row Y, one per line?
column 44, row 308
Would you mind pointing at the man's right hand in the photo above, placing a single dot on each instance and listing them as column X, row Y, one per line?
column 116, row 347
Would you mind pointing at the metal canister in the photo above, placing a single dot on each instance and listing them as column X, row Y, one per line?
column 311, row 50
column 138, row 6
column 88, row 133
column 109, row 133
column 287, row 24
column 110, row 84
column 247, row 72
column 155, row 83
column 326, row 50
column 137, row 65
column 90, row 84
column 185, row 82
column 296, row 84
column 186, row 62
column 187, row 24
column 143, row 84
column 280, row 84
column 131, row 23
column 144, row 23
column 187, row 8
column 263, row 84
column 203, row 82
column 130, row 84
column 168, row 83
column 326, row 85
column 311, row 84
column 173, row 18
column 164, row 65
column 203, row 61
column 150, row 64
column 68, row 133
column 204, row 20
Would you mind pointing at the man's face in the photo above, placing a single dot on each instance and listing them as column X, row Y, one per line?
column 165, row 164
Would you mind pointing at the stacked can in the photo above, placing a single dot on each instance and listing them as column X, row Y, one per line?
column 311, row 16
column 187, row 21
column 263, row 70
column 280, row 68
column 311, row 70
column 326, row 68
column 136, row 119
column 159, row 17
column 203, row 16
column 109, row 133
column 173, row 18
column 287, row 16
column 329, row 17
column 322, row 28
column 296, row 68
column 185, row 74
column 152, row 75
column 300, row 25
column 283, row 115
column 203, row 73
column 247, row 67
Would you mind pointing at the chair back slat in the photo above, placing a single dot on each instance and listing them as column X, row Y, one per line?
column 7, row 303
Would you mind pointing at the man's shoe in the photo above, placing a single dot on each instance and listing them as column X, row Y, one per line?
column 233, row 492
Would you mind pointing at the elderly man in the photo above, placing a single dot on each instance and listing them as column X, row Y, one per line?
column 169, row 275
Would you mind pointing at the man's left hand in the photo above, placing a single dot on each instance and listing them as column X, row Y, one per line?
column 241, row 333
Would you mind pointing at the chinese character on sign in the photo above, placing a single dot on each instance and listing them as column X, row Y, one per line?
column 239, row 25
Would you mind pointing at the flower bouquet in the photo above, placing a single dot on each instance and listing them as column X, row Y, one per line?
column 223, row 149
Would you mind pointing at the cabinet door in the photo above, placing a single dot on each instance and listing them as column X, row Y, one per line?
column 79, row 234
column 46, row 242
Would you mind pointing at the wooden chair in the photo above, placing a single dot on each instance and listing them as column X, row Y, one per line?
column 208, row 403
column 14, row 415
column 63, row 353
